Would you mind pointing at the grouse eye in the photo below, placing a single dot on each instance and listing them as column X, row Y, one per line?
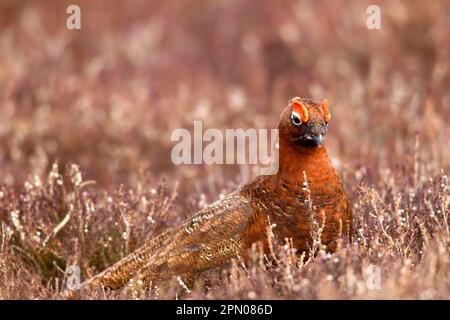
column 299, row 113
column 296, row 119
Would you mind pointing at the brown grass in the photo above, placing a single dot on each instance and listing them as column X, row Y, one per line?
column 86, row 118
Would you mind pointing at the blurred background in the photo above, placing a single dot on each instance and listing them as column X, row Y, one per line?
column 108, row 96
column 102, row 102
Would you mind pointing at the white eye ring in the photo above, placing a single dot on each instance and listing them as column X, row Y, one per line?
column 295, row 118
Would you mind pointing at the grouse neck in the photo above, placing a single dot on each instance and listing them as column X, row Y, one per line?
column 313, row 161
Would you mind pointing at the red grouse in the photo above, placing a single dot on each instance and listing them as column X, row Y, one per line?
column 306, row 181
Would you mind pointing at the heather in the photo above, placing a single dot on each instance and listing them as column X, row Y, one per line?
column 86, row 117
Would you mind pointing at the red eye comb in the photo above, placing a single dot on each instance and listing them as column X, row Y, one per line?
column 326, row 111
column 299, row 108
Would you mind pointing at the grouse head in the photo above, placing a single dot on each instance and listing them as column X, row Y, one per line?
column 304, row 122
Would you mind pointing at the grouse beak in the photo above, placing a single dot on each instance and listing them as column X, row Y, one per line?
column 316, row 139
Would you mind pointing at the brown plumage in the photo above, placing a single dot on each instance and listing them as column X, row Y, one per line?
column 228, row 228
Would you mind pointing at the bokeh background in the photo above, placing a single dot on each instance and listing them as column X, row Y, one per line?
column 99, row 105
